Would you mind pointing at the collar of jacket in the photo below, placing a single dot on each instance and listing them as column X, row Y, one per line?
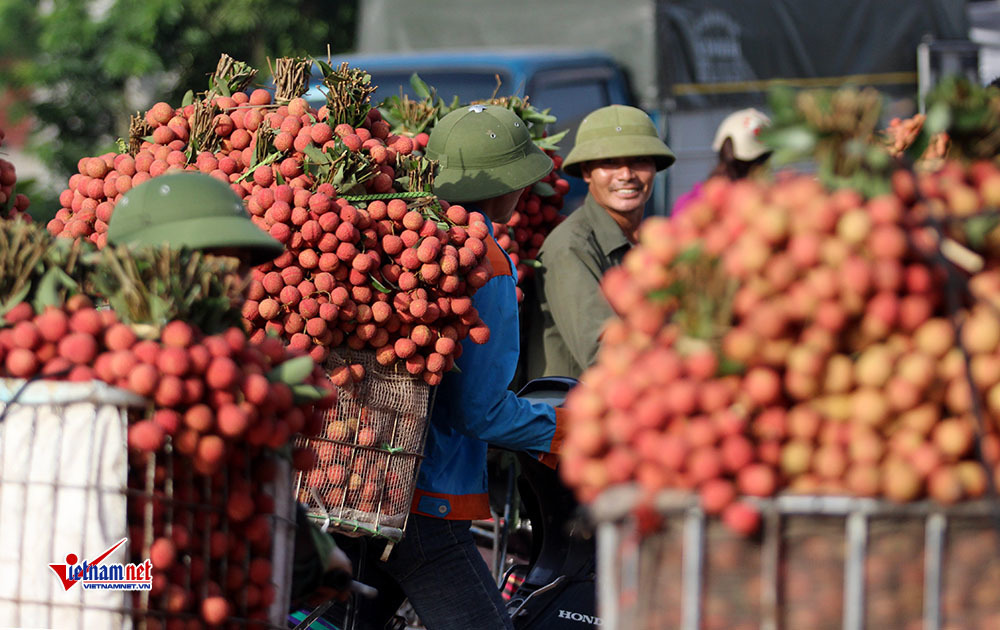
column 609, row 235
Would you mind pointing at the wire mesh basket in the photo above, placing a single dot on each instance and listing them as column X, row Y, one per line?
column 370, row 451
column 242, row 553
column 70, row 490
column 818, row 562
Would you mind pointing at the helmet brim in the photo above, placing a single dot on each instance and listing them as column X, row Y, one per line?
column 617, row 147
column 212, row 233
column 454, row 183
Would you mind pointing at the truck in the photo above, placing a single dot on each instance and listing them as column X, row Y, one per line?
column 688, row 63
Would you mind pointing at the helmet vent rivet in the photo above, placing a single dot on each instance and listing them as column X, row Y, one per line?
column 517, row 124
column 164, row 190
column 493, row 135
column 618, row 128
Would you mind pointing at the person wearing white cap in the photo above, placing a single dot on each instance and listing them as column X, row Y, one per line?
column 739, row 149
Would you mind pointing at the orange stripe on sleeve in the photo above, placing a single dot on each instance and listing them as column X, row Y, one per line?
column 498, row 260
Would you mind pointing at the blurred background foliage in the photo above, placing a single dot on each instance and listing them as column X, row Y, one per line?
column 79, row 68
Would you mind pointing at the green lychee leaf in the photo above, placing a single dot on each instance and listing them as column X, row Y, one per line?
column 159, row 308
column 535, row 116
column 327, row 69
column 378, row 285
column 293, row 371
column 543, row 189
column 730, row 367
column 674, row 290
column 303, row 393
column 419, row 86
column 551, row 143
column 793, row 141
column 689, row 255
column 48, row 292
column 977, row 228
column 938, row 119
column 919, row 145
column 220, row 87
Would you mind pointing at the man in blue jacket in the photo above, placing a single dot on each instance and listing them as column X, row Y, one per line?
column 487, row 159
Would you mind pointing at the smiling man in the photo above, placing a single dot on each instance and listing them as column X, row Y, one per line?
column 617, row 152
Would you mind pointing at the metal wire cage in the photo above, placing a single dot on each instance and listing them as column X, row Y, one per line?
column 818, row 562
column 369, row 454
column 70, row 489
column 242, row 553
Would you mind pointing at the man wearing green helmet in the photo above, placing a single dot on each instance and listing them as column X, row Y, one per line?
column 196, row 211
column 486, row 158
column 190, row 210
column 617, row 152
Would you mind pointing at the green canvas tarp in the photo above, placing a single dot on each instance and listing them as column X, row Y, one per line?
column 689, row 53
column 724, row 49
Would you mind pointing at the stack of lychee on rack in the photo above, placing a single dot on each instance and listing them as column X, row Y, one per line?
column 373, row 288
column 832, row 334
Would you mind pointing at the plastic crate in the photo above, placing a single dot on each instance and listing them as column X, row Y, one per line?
column 817, row 563
column 369, row 453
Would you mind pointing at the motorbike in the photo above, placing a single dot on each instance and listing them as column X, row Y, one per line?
column 558, row 590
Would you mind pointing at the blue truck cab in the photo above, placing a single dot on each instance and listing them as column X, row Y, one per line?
column 570, row 83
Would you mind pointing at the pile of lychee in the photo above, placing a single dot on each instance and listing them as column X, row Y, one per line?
column 535, row 215
column 217, row 415
column 785, row 338
column 290, row 130
column 337, row 284
column 387, row 277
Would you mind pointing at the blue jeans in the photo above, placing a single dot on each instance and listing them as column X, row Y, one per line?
column 438, row 567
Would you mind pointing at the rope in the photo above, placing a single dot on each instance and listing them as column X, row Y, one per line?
column 417, row 194
column 383, row 196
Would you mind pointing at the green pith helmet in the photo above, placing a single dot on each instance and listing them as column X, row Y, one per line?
column 484, row 151
column 616, row 131
column 190, row 210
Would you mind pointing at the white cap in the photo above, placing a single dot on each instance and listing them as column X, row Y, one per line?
column 743, row 127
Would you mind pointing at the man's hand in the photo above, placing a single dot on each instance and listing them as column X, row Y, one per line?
column 337, row 559
column 338, row 577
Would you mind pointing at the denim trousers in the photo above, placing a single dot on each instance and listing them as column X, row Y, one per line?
column 438, row 567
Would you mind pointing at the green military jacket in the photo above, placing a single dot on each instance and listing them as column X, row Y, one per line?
column 573, row 310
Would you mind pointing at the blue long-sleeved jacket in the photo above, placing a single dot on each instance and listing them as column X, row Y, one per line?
column 473, row 407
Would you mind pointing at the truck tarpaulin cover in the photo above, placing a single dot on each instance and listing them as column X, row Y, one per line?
column 700, row 52
column 716, row 49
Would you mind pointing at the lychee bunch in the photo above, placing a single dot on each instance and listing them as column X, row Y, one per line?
column 785, row 338
column 390, row 277
column 535, row 215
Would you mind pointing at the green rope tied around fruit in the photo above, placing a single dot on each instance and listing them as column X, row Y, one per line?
column 436, row 211
column 384, row 196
